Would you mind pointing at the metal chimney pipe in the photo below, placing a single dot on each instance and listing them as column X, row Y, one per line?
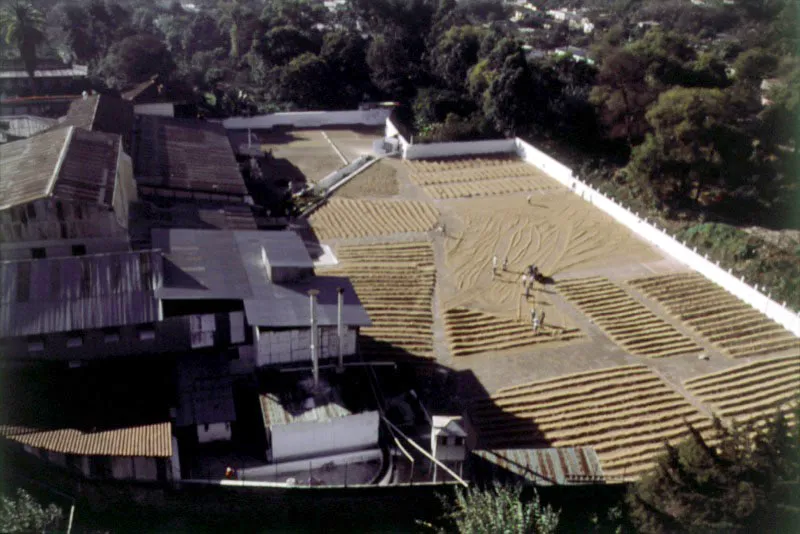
column 312, row 293
column 340, row 326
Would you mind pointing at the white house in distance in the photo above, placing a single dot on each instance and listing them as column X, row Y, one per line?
column 448, row 442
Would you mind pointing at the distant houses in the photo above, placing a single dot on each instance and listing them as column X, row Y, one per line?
column 51, row 77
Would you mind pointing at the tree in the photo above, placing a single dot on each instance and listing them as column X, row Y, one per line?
column 135, row 59
column 733, row 480
column 345, row 53
column 519, row 97
column 282, row 44
column 231, row 17
column 302, row 14
column 694, row 145
column 24, row 514
column 391, row 68
column 754, row 65
column 496, row 509
column 295, row 86
column 22, row 25
column 455, row 53
column 623, row 94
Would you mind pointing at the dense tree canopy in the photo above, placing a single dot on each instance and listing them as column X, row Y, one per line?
column 735, row 480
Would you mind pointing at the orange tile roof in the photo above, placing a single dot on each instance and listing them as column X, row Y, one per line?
column 146, row 440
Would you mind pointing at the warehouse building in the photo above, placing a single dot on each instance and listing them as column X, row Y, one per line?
column 63, row 184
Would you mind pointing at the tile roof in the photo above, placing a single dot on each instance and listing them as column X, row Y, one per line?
column 145, row 440
column 187, row 155
column 88, row 411
column 79, row 293
column 69, row 163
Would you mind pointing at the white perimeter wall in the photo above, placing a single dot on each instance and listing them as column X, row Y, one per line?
column 287, row 346
column 215, row 432
column 659, row 238
column 308, row 439
column 310, row 119
column 443, row 150
column 159, row 110
column 464, row 148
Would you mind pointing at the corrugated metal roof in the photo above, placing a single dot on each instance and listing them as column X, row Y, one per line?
column 79, row 293
column 212, row 264
column 201, row 264
column 89, row 170
column 287, row 305
column 101, row 113
column 69, row 163
column 286, row 407
column 546, row 467
column 187, row 155
column 27, row 167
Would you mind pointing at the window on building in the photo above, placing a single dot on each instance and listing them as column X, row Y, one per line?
column 74, row 342
column 35, row 344
column 73, row 461
column 442, row 440
column 100, row 466
column 205, row 427
column 59, row 211
column 111, row 335
column 31, row 211
column 38, row 253
column 459, row 441
column 147, row 333
column 23, row 282
column 78, row 250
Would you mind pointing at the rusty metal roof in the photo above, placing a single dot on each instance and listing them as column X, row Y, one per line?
column 78, row 293
column 547, row 467
column 68, row 163
column 89, row 170
column 187, row 155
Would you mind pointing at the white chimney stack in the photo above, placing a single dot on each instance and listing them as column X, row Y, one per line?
column 312, row 294
column 340, row 327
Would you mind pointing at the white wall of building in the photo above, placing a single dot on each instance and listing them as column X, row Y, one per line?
column 294, row 441
column 658, row 237
column 464, row 148
column 158, row 110
column 310, row 119
column 314, row 463
column 288, row 346
column 214, row 432
column 122, row 467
